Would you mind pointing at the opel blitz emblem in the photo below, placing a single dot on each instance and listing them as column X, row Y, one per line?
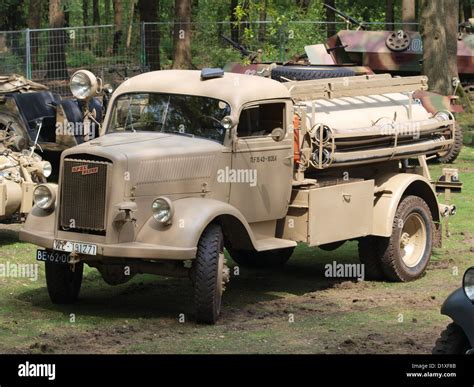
column 84, row 169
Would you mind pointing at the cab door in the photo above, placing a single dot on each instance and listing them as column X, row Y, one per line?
column 262, row 168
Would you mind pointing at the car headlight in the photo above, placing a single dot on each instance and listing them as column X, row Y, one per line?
column 44, row 197
column 45, row 168
column 468, row 283
column 84, row 84
column 162, row 209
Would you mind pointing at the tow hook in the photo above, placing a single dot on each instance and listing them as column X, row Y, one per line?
column 73, row 259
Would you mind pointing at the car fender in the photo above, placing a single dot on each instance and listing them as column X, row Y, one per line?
column 390, row 188
column 461, row 310
column 39, row 225
column 191, row 216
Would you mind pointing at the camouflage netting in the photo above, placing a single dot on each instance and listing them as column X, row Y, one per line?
column 17, row 83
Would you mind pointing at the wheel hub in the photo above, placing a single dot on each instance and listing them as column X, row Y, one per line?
column 413, row 240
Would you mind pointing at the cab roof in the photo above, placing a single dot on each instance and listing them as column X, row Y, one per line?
column 235, row 89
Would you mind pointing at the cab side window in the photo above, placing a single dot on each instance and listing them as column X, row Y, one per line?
column 261, row 120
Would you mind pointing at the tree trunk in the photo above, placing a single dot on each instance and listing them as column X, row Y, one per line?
column 389, row 17
column 148, row 10
column 182, row 35
column 331, row 19
column 85, row 21
column 451, row 11
column 107, row 11
column 409, row 14
column 118, row 26
column 234, row 27
column 467, row 9
column 56, row 63
column 130, row 22
column 262, row 17
column 34, row 22
column 435, row 58
column 95, row 12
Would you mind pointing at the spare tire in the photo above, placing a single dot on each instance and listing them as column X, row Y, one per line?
column 306, row 73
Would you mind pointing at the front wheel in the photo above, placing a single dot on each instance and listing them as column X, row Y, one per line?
column 63, row 282
column 210, row 275
column 452, row 341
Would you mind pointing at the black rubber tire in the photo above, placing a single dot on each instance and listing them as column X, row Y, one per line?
column 261, row 260
column 452, row 154
column 389, row 248
column 306, row 73
column 369, row 256
column 63, row 284
column 452, row 341
column 207, row 297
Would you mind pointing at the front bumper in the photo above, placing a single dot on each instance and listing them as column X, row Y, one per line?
column 136, row 250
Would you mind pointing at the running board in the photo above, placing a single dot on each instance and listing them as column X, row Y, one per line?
column 273, row 244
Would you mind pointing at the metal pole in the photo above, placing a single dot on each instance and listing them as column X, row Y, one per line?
column 28, row 54
column 142, row 45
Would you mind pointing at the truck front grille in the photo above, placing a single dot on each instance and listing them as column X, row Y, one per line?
column 83, row 195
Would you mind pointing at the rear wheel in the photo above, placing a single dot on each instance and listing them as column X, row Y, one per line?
column 64, row 282
column 369, row 256
column 210, row 275
column 264, row 259
column 452, row 341
column 405, row 255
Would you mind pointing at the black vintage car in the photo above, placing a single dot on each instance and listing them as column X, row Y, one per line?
column 458, row 337
column 57, row 123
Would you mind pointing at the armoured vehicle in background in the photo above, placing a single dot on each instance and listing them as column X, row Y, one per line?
column 188, row 164
column 396, row 52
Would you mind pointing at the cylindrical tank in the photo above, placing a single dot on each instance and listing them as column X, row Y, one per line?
column 363, row 129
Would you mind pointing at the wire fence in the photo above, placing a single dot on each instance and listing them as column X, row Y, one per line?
column 51, row 56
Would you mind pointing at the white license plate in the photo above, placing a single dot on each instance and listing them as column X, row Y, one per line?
column 75, row 247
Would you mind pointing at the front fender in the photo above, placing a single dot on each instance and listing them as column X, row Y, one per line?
column 393, row 186
column 191, row 217
column 39, row 225
column 461, row 310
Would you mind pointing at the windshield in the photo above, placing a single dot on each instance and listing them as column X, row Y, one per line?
column 169, row 113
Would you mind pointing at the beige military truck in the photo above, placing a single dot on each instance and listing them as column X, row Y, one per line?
column 191, row 162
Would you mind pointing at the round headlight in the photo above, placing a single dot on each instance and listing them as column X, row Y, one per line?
column 84, row 84
column 468, row 283
column 44, row 197
column 162, row 209
column 46, row 169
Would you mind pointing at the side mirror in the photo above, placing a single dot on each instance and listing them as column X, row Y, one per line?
column 278, row 134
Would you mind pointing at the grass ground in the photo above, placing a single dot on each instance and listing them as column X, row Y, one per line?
column 295, row 310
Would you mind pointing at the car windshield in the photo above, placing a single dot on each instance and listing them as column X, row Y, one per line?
column 169, row 113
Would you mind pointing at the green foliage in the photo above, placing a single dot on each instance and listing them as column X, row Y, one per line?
column 80, row 58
